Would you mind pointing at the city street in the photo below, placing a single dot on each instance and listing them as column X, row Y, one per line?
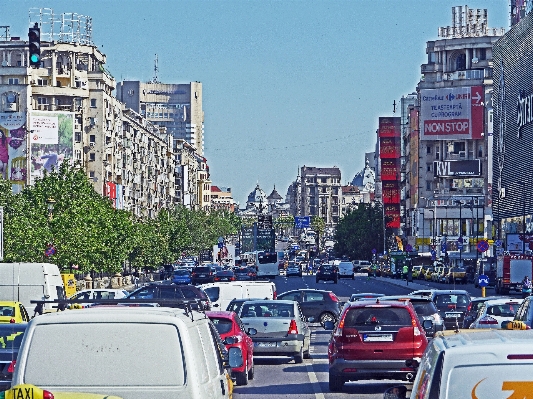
column 278, row 377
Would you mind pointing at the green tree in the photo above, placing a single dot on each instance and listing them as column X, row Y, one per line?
column 360, row 231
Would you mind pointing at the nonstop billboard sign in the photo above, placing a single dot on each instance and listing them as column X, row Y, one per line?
column 451, row 113
column 471, row 168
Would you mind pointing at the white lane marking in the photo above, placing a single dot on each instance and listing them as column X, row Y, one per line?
column 314, row 382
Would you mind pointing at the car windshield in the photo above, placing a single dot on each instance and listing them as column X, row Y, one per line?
column 270, row 309
column 223, row 326
column 11, row 336
column 425, row 308
column 358, row 317
column 451, row 299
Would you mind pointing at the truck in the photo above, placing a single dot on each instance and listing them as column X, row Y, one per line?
column 24, row 282
column 510, row 271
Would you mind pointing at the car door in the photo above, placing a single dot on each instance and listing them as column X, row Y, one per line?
column 247, row 340
column 313, row 304
column 303, row 326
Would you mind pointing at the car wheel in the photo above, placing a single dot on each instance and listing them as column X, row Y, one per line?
column 242, row 378
column 326, row 316
column 251, row 373
column 353, row 276
column 299, row 357
column 335, row 383
column 335, row 281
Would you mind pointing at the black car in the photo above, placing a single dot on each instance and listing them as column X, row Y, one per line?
column 327, row 272
column 244, row 274
column 11, row 335
column 171, row 291
column 320, row 304
column 477, row 302
column 202, row 275
column 224, row 275
column 452, row 306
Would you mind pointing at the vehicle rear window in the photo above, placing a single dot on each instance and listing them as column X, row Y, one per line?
column 213, row 293
column 448, row 299
column 425, row 308
column 202, row 269
column 358, row 317
column 223, row 326
column 326, row 268
column 111, row 354
column 11, row 336
column 181, row 273
column 503, row 310
column 271, row 309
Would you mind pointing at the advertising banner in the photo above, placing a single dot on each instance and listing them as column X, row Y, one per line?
column 389, row 147
column 467, row 168
column 390, row 169
column 451, row 113
column 51, row 141
column 392, row 215
column 13, row 144
column 391, row 192
column 413, row 162
column 389, row 127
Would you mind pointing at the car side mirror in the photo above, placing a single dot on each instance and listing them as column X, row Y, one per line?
column 329, row 325
column 427, row 324
column 235, row 357
column 216, row 305
column 311, row 319
column 251, row 331
column 397, row 392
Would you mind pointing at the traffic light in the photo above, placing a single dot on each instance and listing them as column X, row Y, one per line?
column 34, row 36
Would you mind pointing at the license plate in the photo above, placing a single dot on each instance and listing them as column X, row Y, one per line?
column 377, row 338
column 265, row 344
column 202, row 275
column 454, row 315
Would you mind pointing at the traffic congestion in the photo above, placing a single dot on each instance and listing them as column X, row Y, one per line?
column 353, row 330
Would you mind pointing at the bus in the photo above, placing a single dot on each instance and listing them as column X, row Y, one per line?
column 267, row 264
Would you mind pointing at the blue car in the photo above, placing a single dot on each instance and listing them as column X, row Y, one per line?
column 182, row 276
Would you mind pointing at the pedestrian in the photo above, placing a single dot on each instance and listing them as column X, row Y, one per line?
column 136, row 281
column 405, row 270
column 526, row 287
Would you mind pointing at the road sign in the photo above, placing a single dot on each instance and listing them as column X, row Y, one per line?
column 301, row 222
column 460, row 243
column 433, row 254
column 374, row 251
column 498, row 243
column 443, row 247
column 483, row 280
column 264, row 221
column 482, row 246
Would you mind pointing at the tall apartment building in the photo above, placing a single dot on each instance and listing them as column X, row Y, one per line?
column 450, row 194
column 174, row 108
column 65, row 110
column 321, row 193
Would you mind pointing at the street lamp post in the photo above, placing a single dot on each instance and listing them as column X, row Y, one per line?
column 460, row 240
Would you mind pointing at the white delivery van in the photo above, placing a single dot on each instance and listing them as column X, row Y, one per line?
column 184, row 358
column 346, row 269
column 496, row 364
column 222, row 293
column 24, row 282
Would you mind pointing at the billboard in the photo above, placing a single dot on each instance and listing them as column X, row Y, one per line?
column 391, row 192
column 390, row 169
column 389, row 147
column 450, row 168
column 13, row 146
column 389, row 127
column 413, row 148
column 392, row 215
column 454, row 113
column 51, row 141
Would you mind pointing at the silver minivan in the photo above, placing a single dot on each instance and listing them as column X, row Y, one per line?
column 134, row 353
column 346, row 269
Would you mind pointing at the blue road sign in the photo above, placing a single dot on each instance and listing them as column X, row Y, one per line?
column 460, row 243
column 498, row 243
column 443, row 247
column 483, row 280
column 433, row 254
column 482, row 246
column 374, row 251
column 301, row 222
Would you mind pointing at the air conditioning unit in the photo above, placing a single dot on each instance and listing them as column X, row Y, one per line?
column 92, row 144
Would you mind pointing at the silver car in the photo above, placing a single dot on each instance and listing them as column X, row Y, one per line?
column 282, row 329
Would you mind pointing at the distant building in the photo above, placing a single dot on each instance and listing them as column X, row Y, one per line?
column 321, row 193
column 221, row 198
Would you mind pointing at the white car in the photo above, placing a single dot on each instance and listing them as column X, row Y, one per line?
column 100, row 293
column 493, row 312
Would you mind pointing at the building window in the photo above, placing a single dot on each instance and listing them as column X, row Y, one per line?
column 77, row 155
column 428, row 149
column 428, row 185
column 428, row 167
column 92, row 156
column 92, row 138
column 480, row 151
column 93, row 102
column 91, row 174
column 458, row 146
column 437, row 152
column 42, row 100
column 42, row 82
column 482, row 52
column 460, row 62
column 77, row 137
column 431, row 57
column 13, row 81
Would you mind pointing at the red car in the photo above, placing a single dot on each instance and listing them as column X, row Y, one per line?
column 375, row 340
column 234, row 334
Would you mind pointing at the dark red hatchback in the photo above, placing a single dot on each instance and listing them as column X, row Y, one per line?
column 375, row 340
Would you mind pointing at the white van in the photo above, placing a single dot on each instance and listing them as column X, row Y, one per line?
column 133, row 353
column 222, row 293
column 346, row 269
column 23, row 282
column 474, row 364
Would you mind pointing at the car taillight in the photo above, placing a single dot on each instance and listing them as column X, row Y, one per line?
column 217, row 278
column 11, row 368
column 487, row 320
column 194, row 274
column 293, row 328
column 275, row 295
column 12, row 321
column 48, row 395
column 469, row 307
column 333, row 297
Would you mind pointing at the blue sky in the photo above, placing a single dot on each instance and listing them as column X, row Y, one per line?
column 286, row 83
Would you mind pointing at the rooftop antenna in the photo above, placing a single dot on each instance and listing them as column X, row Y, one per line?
column 394, row 107
column 156, row 69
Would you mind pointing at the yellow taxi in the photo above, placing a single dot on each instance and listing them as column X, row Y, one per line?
column 28, row 391
column 429, row 272
column 13, row 312
column 416, row 271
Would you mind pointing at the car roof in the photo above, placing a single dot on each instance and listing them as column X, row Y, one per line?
column 414, row 298
column 485, row 339
column 503, row 301
column 306, row 290
column 378, row 302
column 438, row 292
column 221, row 314
column 9, row 303
column 272, row 301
